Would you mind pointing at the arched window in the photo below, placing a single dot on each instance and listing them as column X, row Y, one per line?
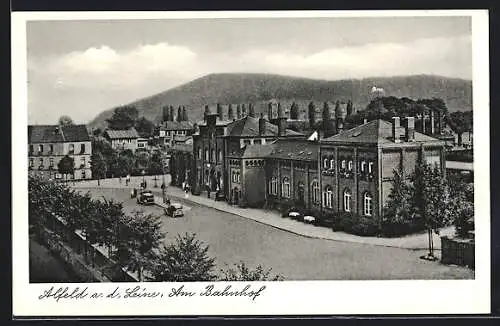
column 328, row 196
column 368, row 204
column 315, row 191
column 363, row 166
column 285, row 188
column 332, row 163
column 220, row 155
column 238, row 179
column 370, row 167
column 347, row 200
column 199, row 153
column 349, row 165
column 342, row 164
column 325, row 163
column 206, row 155
column 213, row 155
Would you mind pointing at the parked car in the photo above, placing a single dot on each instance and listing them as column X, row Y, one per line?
column 174, row 210
column 145, row 197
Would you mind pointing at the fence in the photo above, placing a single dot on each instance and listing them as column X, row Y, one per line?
column 458, row 251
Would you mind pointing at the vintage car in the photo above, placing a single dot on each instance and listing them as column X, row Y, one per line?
column 145, row 197
column 174, row 210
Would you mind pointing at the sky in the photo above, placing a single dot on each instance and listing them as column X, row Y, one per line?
column 81, row 68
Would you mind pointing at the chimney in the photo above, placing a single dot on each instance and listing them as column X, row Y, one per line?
column 281, row 126
column 440, row 123
column 280, row 111
column 396, row 129
column 262, row 125
column 251, row 110
column 220, row 115
column 410, row 129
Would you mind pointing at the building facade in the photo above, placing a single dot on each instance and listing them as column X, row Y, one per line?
column 173, row 132
column 48, row 144
column 122, row 139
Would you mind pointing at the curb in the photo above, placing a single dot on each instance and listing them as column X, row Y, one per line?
column 278, row 227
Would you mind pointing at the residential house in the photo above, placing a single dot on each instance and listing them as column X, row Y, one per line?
column 122, row 139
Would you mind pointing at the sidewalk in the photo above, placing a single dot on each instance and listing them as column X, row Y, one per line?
column 274, row 219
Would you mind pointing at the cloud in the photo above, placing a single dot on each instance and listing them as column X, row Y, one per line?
column 105, row 67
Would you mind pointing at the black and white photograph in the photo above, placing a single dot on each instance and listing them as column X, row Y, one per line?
column 253, row 152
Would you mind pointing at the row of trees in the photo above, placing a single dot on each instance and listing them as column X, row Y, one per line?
column 135, row 242
column 168, row 114
column 427, row 200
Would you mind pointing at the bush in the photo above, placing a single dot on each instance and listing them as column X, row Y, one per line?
column 355, row 224
column 243, row 273
column 394, row 228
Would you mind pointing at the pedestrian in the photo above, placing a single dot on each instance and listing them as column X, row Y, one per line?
column 127, row 180
column 120, row 179
column 208, row 191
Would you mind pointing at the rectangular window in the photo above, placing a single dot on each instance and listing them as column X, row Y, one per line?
column 83, row 174
column 32, row 162
column 41, row 162
column 51, row 162
column 51, row 148
column 83, row 161
column 40, row 148
column 71, row 149
column 31, row 149
column 257, row 141
column 82, row 148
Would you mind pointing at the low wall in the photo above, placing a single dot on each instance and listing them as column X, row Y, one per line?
column 458, row 251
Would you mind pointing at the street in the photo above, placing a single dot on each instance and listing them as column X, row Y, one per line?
column 232, row 239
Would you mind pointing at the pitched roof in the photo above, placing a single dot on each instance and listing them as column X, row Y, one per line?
column 217, row 122
column 122, row 134
column 177, row 125
column 377, row 132
column 288, row 149
column 249, row 127
column 57, row 134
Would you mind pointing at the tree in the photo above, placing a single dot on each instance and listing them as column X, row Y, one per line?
column 349, row 108
column 97, row 132
column 142, row 160
column 165, row 113
column 98, row 166
column 431, row 200
column 138, row 242
column 238, row 111
column 460, row 122
column 294, row 111
column 65, row 121
column 144, row 127
column 242, row 272
column 184, row 114
column 230, row 113
column 179, row 114
column 124, row 163
column 156, row 165
column 462, row 206
column 66, row 166
column 186, row 260
column 123, row 118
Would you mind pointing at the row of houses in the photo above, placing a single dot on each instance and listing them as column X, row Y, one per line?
column 257, row 162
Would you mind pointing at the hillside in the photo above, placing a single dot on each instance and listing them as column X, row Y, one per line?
column 259, row 88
